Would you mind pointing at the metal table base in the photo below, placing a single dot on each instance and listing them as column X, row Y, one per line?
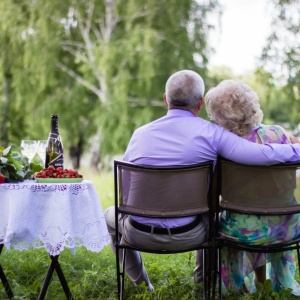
column 4, row 279
column 55, row 266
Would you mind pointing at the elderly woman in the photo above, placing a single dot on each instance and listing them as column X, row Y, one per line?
column 235, row 106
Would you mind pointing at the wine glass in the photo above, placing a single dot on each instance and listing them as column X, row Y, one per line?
column 32, row 147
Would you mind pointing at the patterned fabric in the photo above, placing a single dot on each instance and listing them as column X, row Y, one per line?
column 53, row 216
column 237, row 266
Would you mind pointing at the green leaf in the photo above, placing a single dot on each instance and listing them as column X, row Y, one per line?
column 10, row 167
column 3, row 160
column 15, row 166
column 6, row 151
column 5, row 173
column 21, row 174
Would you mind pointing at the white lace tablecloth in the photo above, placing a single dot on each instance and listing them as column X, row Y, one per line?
column 52, row 216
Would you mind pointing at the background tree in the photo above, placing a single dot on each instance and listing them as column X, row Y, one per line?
column 101, row 65
column 281, row 56
column 12, row 24
column 124, row 54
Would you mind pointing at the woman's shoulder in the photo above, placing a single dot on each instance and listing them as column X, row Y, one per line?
column 273, row 134
column 272, row 128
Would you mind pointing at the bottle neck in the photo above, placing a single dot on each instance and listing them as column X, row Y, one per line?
column 54, row 126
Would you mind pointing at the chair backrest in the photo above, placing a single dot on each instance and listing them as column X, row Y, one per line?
column 258, row 189
column 154, row 191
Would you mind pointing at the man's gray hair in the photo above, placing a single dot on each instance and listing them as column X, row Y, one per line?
column 184, row 89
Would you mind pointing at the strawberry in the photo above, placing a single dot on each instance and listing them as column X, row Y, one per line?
column 2, row 178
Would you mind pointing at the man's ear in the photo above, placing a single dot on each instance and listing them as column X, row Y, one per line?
column 200, row 103
column 165, row 101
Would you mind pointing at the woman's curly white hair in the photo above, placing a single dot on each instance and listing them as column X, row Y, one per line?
column 235, row 106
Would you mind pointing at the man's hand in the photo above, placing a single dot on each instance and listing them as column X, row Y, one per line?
column 294, row 140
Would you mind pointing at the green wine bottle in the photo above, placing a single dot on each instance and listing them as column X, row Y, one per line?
column 54, row 150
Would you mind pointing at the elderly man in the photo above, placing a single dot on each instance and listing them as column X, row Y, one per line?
column 182, row 138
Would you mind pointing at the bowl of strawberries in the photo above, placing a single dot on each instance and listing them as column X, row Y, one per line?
column 58, row 175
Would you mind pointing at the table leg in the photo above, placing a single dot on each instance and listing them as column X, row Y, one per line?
column 55, row 266
column 61, row 277
column 45, row 285
column 4, row 279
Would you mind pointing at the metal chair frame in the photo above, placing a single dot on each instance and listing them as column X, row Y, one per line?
column 125, row 209
column 226, row 204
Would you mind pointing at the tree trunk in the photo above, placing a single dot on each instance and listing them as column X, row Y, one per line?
column 76, row 152
column 6, row 104
column 95, row 154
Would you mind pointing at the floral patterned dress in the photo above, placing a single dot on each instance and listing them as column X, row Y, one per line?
column 237, row 266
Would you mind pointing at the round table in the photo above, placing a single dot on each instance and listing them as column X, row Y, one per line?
column 53, row 216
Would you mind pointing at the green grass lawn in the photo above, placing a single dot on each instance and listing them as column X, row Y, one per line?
column 92, row 276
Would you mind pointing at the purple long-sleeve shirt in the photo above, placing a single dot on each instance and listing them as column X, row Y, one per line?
column 180, row 138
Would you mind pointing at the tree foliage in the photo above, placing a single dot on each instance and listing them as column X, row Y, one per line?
column 124, row 53
column 281, row 56
column 101, row 65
